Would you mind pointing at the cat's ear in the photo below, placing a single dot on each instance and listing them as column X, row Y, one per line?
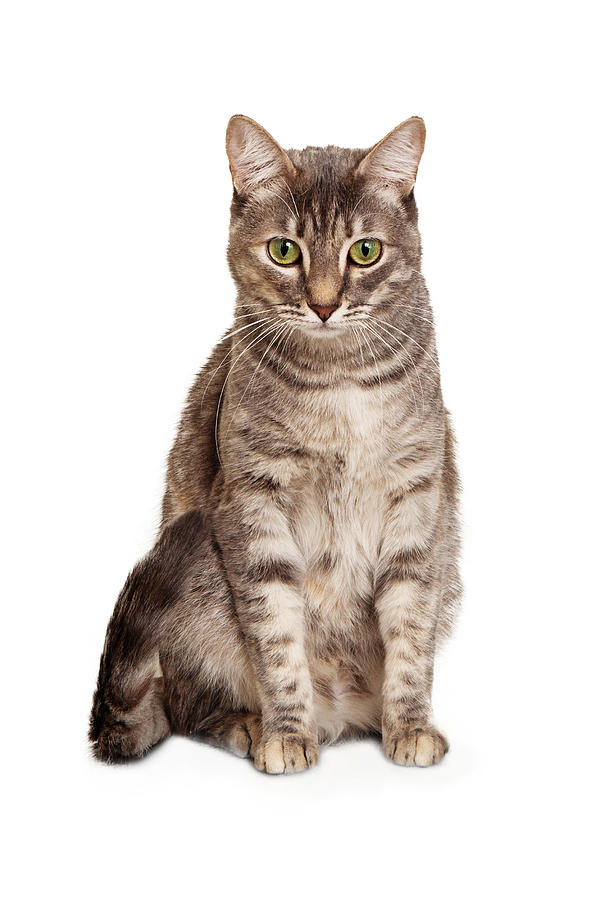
column 395, row 159
column 254, row 156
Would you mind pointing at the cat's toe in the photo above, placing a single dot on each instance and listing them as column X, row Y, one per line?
column 243, row 736
column 285, row 754
column 421, row 745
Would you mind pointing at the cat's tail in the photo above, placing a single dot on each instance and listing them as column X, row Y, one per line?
column 128, row 713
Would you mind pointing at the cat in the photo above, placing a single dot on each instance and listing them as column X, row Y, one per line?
column 306, row 566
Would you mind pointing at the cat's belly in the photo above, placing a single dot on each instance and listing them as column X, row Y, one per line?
column 347, row 689
column 344, row 649
column 338, row 527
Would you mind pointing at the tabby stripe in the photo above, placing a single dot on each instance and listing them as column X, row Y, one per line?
column 396, row 374
column 406, row 565
column 268, row 570
column 416, row 487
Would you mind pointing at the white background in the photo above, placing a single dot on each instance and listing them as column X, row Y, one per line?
column 114, row 208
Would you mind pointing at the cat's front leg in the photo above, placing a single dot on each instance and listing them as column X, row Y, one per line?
column 265, row 569
column 407, row 600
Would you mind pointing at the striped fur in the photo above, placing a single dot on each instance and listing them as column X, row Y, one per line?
column 307, row 563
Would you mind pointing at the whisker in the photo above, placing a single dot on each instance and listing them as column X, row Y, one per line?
column 248, row 325
column 266, row 332
column 283, row 200
column 279, row 332
column 395, row 353
column 292, row 330
column 292, row 196
column 354, row 330
column 366, row 311
column 435, row 363
column 396, row 340
column 255, row 325
column 258, row 312
column 357, row 204
column 378, row 377
column 411, row 360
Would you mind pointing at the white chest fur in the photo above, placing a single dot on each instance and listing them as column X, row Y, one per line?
column 341, row 500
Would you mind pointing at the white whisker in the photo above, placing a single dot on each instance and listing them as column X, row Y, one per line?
column 435, row 363
column 258, row 312
column 292, row 196
column 292, row 331
column 357, row 204
column 395, row 353
column 379, row 379
column 255, row 325
column 283, row 200
column 411, row 360
column 279, row 332
column 267, row 331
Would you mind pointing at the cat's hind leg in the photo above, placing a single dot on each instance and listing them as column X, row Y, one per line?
column 128, row 720
column 129, row 714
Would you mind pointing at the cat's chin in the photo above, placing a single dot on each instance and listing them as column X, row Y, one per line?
column 324, row 330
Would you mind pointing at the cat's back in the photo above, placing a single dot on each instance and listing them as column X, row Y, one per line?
column 193, row 461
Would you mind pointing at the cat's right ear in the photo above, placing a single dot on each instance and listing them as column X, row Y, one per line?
column 255, row 158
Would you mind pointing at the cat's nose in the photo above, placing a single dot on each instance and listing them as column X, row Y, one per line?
column 324, row 312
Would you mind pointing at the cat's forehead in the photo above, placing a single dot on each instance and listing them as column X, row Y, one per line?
column 325, row 202
column 329, row 163
column 327, row 193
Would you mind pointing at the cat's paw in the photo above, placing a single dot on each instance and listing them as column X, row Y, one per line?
column 417, row 745
column 241, row 734
column 285, row 753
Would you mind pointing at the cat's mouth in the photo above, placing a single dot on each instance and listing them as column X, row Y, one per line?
column 324, row 329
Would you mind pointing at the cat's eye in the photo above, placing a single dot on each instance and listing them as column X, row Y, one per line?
column 284, row 251
column 365, row 252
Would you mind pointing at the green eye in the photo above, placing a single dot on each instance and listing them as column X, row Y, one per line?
column 365, row 251
column 284, row 251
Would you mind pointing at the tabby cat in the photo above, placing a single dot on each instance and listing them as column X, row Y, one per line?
column 306, row 566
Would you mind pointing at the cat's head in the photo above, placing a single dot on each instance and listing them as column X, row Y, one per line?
column 323, row 237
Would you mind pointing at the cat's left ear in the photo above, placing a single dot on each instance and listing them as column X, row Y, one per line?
column 255, row 158
column 395, row 159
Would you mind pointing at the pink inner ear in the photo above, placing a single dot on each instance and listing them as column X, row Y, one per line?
column 254, row 156
column 396, row 158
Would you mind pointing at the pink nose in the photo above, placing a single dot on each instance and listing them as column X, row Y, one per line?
column 324, row 312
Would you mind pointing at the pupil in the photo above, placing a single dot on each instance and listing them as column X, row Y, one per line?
column 365, row 248
column 285, row 246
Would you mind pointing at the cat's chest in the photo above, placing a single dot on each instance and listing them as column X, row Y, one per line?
column 349, row 425
column 348, row 444
column 340, row 502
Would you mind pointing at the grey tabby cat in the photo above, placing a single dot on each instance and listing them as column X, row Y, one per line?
column 306, row 566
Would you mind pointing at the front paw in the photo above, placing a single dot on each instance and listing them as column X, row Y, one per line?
column 286, row 753
column 415, row 745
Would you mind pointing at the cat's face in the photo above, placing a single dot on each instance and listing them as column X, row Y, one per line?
column 323, row 237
